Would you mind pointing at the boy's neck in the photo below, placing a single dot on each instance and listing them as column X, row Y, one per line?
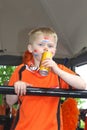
column 36, row 63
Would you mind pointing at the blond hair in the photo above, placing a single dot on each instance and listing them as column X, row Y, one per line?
column 41, row 30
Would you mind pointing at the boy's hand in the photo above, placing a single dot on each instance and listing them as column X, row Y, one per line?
column 50, row 63
column 20, row 87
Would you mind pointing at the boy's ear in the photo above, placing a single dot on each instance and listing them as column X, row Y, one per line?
column 30, row 48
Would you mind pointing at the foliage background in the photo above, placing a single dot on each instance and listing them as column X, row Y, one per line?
column 5, row 74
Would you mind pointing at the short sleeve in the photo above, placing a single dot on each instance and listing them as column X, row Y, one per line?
column 15, row 76
column 63, row 84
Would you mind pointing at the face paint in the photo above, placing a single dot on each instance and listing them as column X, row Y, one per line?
column 35, row 53
column 45, row 40
column 46, row 37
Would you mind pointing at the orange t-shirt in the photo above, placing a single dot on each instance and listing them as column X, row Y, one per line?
column 39, row 112
column 85, row 123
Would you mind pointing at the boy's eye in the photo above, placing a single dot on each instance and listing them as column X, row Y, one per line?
column 40, row 44
column 50, row 46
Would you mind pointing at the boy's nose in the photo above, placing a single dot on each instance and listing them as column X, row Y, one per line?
column 45, row 48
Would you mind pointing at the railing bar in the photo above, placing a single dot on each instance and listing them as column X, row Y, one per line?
column 55, row 92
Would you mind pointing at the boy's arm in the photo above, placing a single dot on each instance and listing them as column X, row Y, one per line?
column 70, row 77
column 11, row 99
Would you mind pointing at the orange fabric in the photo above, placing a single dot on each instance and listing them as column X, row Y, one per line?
column 70, row 114
column 85, row 123
column 28, row 58
column 38, row 112
column 2, row 112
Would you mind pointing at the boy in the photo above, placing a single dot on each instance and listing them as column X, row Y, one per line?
column 40, row 112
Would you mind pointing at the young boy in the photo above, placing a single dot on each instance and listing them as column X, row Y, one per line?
column 40, row 112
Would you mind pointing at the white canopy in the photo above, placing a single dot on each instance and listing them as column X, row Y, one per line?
column 67, row 17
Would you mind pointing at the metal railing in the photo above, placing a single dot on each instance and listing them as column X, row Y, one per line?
column 35, row 91
column 55, row 92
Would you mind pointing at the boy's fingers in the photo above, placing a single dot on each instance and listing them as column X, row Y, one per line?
column 28, row 85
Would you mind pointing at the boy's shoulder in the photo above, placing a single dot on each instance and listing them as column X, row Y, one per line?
column 61, row 66
column 19, row 66
column 67, row 69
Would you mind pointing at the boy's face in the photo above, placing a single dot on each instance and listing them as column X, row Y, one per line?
column 42, row 43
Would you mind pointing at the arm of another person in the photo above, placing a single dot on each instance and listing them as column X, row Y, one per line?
column 11, row 99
